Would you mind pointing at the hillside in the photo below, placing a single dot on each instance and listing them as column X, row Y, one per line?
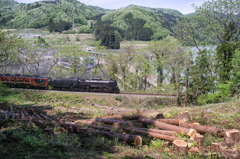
column 158, row 21
column 37, row 15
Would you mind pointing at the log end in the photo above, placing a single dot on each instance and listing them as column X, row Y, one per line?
column 215, row 147
column 138, row 141
column 131, row 124
column 180, row 143
column 191, row 132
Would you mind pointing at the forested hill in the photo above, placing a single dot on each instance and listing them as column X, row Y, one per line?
column 38, row 14
column 137, row 21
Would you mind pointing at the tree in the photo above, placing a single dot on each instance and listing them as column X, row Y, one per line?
column 158, row 50
column 215, row 22
column 175, row 59
column 143, row 67
column 7, row 48
column 76, row 58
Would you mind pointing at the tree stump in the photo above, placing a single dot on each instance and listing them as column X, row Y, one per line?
column 48, row 131
column 199, row 138
column 232, row 136
column 194, row 150
column 184, row 116
column 215, row 147
column 180, row 147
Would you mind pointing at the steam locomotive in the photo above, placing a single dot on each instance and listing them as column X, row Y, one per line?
column 73, row 84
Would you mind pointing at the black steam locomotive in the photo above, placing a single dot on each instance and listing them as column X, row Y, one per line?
column 91, row 85
column 75, row 84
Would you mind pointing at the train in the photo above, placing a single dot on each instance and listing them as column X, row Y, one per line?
column 72, row 84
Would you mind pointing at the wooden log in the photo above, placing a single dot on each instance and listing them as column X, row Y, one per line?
column 61, row 129
column 232, row 136
column 156, row 135
column 160, row 116
column 135, row 140
column 88, row 122
column 48, row 131
column 180, row 147
column 204, row 129
column 76, row 128
column 184, row 116
column 193, row 150
column 215, row 147
column 37, row 115
column 26, row 114
column 13, row 116
column 164, row 126
column 101, row 127
column 17, row 115
column 46, row 117
column 132, row 117
column 171, row 121
column 164, row 132
column 199, row 138
column 22, row 115
column 109, row 121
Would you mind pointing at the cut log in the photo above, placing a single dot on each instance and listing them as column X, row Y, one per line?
column 160, row 116
column 48, row 131
column 156, row 135
column 171, row 121
column 164, row 126
column 199, row 138
column 13, row 116
column 180, row 147
column 76, row 128
column 193, row 150
column 184, row 116
column 164, row 132
column 109, row 121
column 135, row 140
column 17, row 115
column 232, row 136
column 70, row 130
column 88, row 122
column 45, row 117
column 62, row 129
column 22, row 115
column 100, row 127
column 215, row 147
column 37, row 115
column 132, row 117
column 204, row 129
column 26, row 113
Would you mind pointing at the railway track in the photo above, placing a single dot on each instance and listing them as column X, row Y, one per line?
column 143, row 95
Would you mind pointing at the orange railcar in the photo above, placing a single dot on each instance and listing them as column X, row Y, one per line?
column 25, row 81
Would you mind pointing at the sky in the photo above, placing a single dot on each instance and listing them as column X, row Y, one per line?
column 184, row 6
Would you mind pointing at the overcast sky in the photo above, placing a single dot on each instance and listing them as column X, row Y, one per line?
column 184, row 6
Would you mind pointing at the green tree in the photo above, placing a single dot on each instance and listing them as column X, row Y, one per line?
column 215, row 22
column 8, row 46
column 76, row 58
column 158, row 49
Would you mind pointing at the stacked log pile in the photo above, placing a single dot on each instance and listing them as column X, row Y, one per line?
column 124, row 127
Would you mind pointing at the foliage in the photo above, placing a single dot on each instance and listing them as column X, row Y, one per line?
column 106, row 35
column 41, row 41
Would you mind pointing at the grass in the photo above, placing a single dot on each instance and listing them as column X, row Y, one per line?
column 30, row 142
